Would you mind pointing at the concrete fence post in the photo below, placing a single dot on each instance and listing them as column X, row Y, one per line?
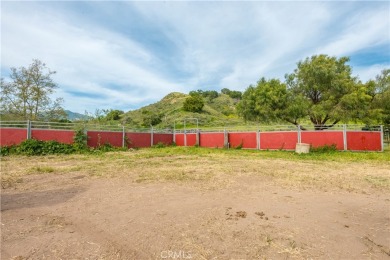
column 382, row 139
column 299, row 134
column 174, row 133
column 151, row 136
column 123, row 137
column 197, row 138
column 28, row 129
column 185, row 137
column 225, row 138
column 345, row 137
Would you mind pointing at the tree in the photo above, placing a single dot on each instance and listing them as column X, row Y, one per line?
column 270, row 101
column 27, row 96
column 380, row 92
column 331, row 93
column 232, row 93
column 113, row 115
column 320, row 89
column 150, row 119
column 193, row 103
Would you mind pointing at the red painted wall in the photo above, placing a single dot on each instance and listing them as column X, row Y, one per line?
column 61, row 136
column 12, row 136
column 278, row 140
column 113, row 138
column 179, row 139
column 191, row 139
column 364, row 141
column 163, row 138
column 139, row 140
column 248, row 140
column 211, row 140
column 321, row 138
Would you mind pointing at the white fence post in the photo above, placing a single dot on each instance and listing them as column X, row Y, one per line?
column 151, row 136
column 28, row 129
column 299, row 134
column 197, row 138
column 382, row 139
column 123, row 136
column 345, row 137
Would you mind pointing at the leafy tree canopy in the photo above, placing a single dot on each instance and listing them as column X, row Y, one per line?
column 28, row 94
column 320, row 89
column 193, row 103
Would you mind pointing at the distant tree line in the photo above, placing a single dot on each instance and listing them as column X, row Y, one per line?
column 321, row 89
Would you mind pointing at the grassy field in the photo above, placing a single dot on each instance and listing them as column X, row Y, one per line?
column 208, row 166
column 198, row 202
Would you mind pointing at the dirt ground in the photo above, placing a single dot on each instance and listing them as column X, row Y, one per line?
column 59, row 208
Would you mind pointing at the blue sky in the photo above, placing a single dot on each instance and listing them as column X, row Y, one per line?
column 124, row 55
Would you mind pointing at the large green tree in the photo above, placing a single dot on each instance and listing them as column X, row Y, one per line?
column 193, row 103
column 380, row 92
column 28, row 94
column 270, row 101
column 321, row 89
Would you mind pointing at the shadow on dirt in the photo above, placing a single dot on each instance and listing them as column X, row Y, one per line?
column 38, row 198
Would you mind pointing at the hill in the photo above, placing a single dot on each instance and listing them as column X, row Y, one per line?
column 72, row 116
column 217, row 112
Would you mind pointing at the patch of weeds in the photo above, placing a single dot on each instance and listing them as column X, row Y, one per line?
column 324, row 149
column 159, row 145
column 41, row 169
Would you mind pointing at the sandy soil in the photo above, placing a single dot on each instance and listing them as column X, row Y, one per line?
column 77, row 216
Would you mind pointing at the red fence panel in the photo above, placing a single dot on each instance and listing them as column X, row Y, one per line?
column 61, row 136
column 96, row 138
column 138, row 140
column 278, row 140
column 179, row 139
column 163, row 138
column 191, row 139
column 211, row 140
column 248, row 140
column 12, row 136
column 364, row 141
column 321, row 138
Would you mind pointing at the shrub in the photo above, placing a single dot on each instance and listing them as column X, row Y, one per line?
column 6, row 150
column 80, row 140
column 193, row 103
column 36, row 147
column 324, row 149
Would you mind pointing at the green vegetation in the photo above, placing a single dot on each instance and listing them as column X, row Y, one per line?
column 27, row 96
column 217, row 111
column 194, row 103
column 321, row 89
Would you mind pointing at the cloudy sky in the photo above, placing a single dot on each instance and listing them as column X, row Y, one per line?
column 124, row 55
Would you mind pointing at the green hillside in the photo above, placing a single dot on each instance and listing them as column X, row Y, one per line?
column 217, row 112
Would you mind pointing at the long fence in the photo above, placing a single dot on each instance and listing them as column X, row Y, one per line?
column 344, row 137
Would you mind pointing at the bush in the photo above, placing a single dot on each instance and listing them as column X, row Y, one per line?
column 36, row 147
column 193, row 103
column 324, row 149
column 80, row 140
column 6, row 150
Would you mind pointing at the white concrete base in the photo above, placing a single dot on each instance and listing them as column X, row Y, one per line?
column 302, row 148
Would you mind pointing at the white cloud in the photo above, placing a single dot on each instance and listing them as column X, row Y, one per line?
column 215, row 44
column 90, row 61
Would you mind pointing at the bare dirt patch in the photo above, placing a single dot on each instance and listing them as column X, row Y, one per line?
column 133, row 206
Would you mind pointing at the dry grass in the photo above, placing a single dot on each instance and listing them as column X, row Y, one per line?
column 210, row 169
